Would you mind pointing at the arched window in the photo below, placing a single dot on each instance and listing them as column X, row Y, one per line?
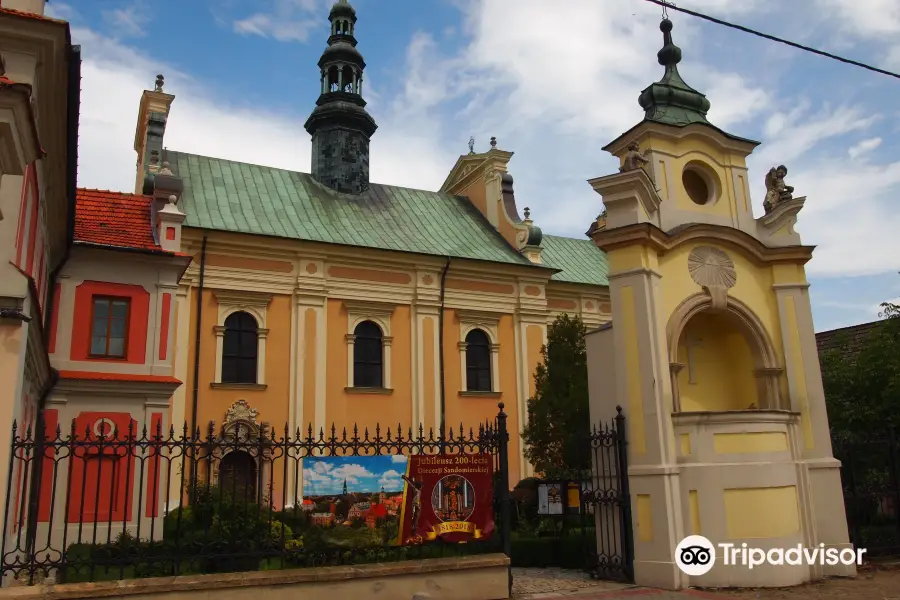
column 240, row 348
column 368, row 356
column 478, row 361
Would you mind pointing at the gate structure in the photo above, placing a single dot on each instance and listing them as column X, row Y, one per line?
column 584, row 518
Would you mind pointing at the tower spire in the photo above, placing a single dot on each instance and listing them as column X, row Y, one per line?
column 340, row 125
column 670, row 100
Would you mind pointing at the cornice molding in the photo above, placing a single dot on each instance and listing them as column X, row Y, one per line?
column 134, row 390
column 663, row 242
column 243, row 298
column 375, row 308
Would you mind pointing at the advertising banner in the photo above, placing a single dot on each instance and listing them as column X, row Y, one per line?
column 447, row 497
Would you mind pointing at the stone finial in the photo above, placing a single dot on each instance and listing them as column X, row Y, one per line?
column 173, row 199
column 165, row 169
column 160, row 81
column 472, row 145
column 527, row 213
column 493, row 142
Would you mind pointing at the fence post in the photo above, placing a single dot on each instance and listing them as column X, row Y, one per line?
column 503, row 452
column 625, row 493
column 34, row 494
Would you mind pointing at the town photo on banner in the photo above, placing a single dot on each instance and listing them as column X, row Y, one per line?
column 355, row 497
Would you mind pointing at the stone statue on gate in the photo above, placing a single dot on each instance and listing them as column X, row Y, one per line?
column 634, row 158
column 776, row 190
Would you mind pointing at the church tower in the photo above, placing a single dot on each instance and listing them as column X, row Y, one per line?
column 711, row 350
column 340, row 125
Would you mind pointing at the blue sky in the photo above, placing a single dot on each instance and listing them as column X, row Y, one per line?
column 325, row 476
column 553, row 86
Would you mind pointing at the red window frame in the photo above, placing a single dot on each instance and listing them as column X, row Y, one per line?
column 110, row 300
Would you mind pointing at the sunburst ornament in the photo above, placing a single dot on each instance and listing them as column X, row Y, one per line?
column 713, row 270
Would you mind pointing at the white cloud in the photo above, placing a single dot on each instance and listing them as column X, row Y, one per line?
column 872, row 20
column 793, row 136
column 848, row 203
column 352, row 473
column 286, row 21
column 128, row 20
column 60, row 10
column 313, row 476
column 864, row 147
column 391, row 479
column 321, row 466
column 848, row 216
column 398, row 458
column 114, row 76
column 872, row 17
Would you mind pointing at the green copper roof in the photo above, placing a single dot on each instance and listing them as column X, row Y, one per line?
column 581, row 260
column 239, row 197
column 232, row 196
column 672, row 101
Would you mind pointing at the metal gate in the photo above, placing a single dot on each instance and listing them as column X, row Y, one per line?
column 584, row 520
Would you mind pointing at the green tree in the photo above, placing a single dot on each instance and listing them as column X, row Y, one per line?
column 862, row 380
column 557, row 434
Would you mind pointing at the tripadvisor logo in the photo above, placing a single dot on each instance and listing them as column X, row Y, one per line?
column 695, row 555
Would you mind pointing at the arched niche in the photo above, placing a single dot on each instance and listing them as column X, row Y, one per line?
column 736, row 365
column 241, row 455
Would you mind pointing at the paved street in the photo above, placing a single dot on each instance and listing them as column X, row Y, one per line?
column 874, row 582
column 535, row 584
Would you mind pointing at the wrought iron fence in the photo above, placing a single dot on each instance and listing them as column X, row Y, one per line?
column 109, row 504
column 580, row 519
column 870, row 474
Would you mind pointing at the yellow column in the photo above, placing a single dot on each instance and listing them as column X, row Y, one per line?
column 822, row 504
column 644, row 392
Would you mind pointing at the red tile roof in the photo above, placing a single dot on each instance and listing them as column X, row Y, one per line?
column 114, row 219
column 93, row 376
column 30, row 15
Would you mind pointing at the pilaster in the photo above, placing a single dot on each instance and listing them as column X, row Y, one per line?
column 819, row 472
column 310, row 346
column 426, row 383
column 531, row 315
column 642, row 380
column 161, row 357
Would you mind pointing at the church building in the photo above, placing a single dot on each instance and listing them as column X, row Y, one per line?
column 322, row 298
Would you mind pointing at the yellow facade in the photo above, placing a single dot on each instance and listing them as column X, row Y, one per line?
column 306, row 357
column 716, row 365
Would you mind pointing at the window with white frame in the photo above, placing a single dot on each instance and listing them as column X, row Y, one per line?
column 241, row 338
column 369, row 345
column 479, row 352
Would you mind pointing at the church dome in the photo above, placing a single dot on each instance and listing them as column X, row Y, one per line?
column 535, row 236
column 342, row 8
column 341, row 51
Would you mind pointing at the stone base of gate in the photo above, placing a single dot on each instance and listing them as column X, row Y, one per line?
column 468, row 578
